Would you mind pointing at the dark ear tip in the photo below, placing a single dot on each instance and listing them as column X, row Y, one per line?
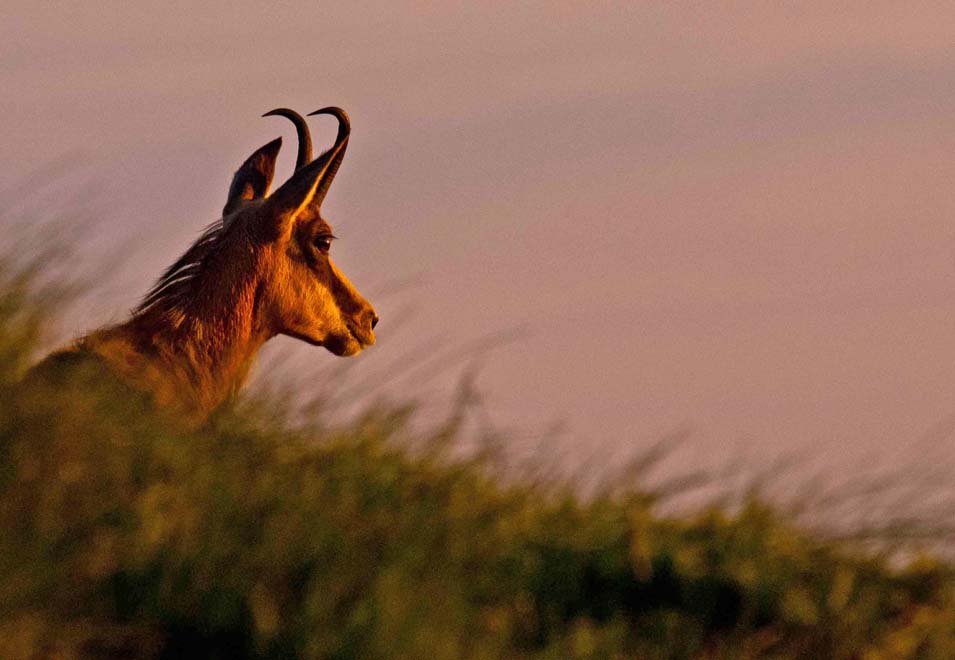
column 269, row 151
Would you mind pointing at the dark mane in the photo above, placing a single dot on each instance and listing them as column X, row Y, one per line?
column 175, row 286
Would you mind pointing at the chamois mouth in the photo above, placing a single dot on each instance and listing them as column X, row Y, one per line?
column 344, row 344
column 333, row 344
column 348, row 343
column 365, row 338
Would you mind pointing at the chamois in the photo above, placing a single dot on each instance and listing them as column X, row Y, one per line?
column 261, row 270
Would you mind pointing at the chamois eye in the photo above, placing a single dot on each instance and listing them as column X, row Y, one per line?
column 323, row 243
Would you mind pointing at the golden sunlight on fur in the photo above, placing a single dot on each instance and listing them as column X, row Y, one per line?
column 262, row 270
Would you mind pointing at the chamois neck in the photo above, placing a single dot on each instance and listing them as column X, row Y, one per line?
column 192, row 356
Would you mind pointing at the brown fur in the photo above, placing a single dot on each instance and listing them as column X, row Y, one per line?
column 254, row 274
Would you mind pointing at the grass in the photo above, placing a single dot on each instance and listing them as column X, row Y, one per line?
column 266, row 535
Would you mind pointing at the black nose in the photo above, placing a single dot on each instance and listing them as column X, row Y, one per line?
column 374, row 320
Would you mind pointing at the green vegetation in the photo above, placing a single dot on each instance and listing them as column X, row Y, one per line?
column 123, row 536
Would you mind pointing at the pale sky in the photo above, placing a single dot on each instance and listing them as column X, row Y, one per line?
column 740, row 220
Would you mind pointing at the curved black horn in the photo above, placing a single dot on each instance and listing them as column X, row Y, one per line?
column 336, row 153
column 304, row 156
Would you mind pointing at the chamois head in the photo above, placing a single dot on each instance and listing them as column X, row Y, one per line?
column 273, row 251
column 306, row 296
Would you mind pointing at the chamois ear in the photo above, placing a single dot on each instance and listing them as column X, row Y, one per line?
column 253, row 178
